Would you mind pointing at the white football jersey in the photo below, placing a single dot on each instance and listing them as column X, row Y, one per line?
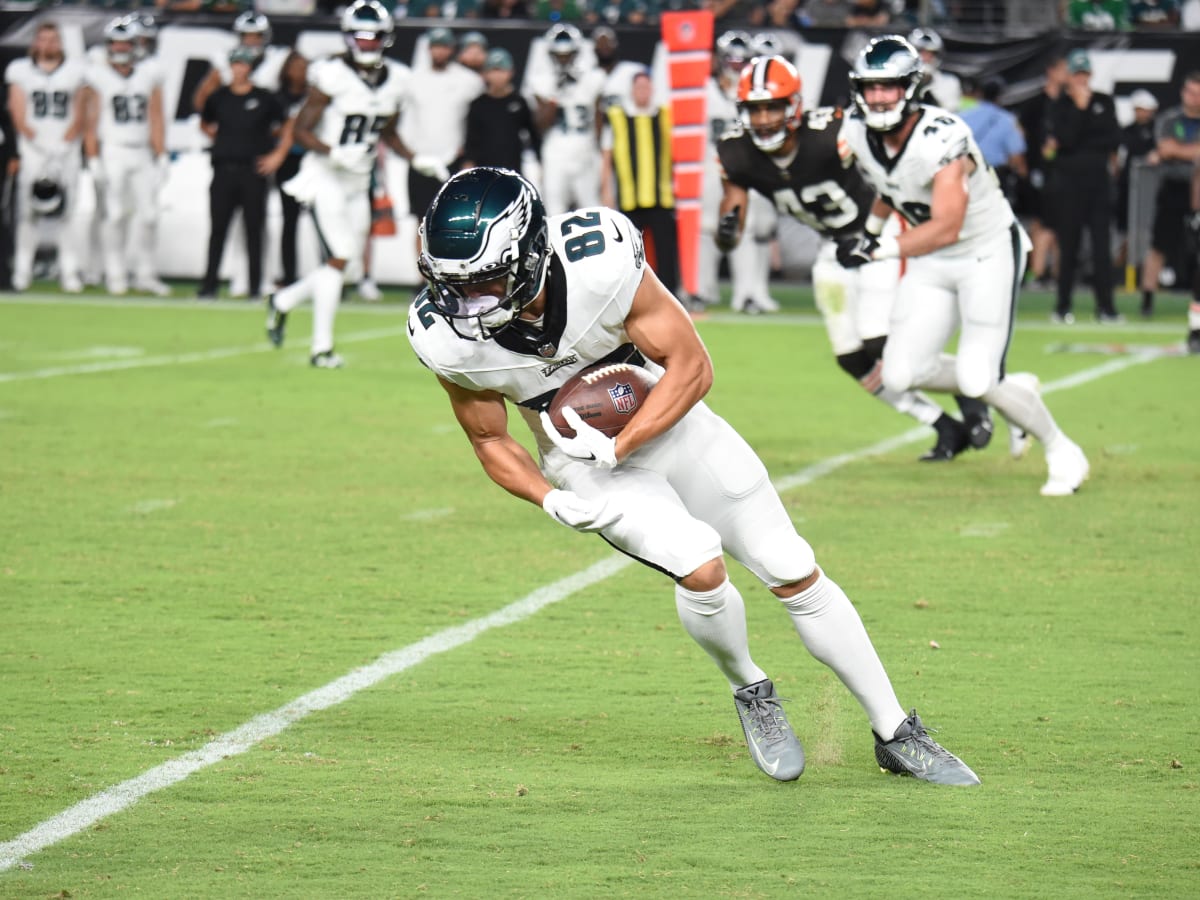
column 905, row 180
column 576, row 99
column 721, row 111
column 49, row 96
column 357, row 111
column 435, row 110
column 124, row 102
column 597, row 264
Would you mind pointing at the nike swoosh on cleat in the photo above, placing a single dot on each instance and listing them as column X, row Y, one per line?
column 762, row 762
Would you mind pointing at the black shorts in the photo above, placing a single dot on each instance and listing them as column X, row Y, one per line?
column 1170, row 206
column 421, row 191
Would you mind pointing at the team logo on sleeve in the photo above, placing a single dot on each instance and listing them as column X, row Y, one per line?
column 623, row 398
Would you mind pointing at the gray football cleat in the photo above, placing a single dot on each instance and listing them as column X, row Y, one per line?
column 773, row 745
column 913, row 752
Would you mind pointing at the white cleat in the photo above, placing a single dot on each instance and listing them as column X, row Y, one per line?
column 1068, row 469
column 369, row 291
column 152, row 285
column 117, row 287
column 71, row 284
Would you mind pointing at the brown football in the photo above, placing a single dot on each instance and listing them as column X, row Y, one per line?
column 606, row 397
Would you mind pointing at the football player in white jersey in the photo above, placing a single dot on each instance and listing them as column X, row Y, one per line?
column 568, row 101
column 125, row 144
column 517, row 304
column 44, row 99
column 353, row 103
column 750, row 260
column 794, row 159
column 940, row 88
column 965, row 251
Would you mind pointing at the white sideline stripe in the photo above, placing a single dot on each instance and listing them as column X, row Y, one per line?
column 121, row 796
column 115, row 365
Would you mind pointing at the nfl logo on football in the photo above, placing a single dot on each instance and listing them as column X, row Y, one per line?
column 622, row 397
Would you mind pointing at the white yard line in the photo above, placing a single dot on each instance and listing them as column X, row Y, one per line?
column 86, row 813
column 175, row 359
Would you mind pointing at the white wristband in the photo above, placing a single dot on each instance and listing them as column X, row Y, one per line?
column 874, row 224
column 889, row 248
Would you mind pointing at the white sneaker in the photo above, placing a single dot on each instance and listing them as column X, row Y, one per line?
column 1068, row 469
column 71, row 284
column 369, row 291
column 1020, row 440
column 152, row 285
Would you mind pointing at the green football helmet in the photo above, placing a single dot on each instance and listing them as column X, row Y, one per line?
column 486, row 225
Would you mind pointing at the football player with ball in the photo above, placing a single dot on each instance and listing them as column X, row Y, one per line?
column 517, row 306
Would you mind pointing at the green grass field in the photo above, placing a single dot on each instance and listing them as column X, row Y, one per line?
column 199, row 531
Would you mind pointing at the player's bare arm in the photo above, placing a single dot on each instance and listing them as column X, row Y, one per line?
column 663, row 332
column 158, row 128
column 91, row 120
column 307, row 119
column 1170, row 148
column 208, row 84
column 75, row 129
column 946, row 214
column 483, row 416
column 390, row 136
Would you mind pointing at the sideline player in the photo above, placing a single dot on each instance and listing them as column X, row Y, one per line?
column 353, row 103
column 516, row 305
column 966, row 251
column 44, row 99
column 568, row 99
column 125, row 144
column 793, row 159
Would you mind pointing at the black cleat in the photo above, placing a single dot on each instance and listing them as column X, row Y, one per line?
column 977, row 420
column 1193, row 341
column 952, row 440
column 275, row 322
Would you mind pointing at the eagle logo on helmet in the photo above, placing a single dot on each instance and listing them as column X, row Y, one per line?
column 485, row 225
column 889, row 59
column 772, row 82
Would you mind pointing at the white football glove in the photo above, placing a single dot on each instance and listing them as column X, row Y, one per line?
column 356, row 158
column 568, row 508
column 589, row 444
column 430, row 167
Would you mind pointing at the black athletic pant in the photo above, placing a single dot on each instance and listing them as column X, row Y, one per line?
column 236, row 185
column 1084, row 189
column 291, row 218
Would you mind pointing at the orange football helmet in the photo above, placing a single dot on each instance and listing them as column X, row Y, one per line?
column 773, row 82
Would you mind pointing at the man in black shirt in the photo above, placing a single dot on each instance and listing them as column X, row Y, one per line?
column 243, row 121
column 1083, row 135
column 499, row 122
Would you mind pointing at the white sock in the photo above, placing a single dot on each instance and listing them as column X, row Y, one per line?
column 910, row 403
column 1194, row 315
column 1023, row 406
column 716, row 620
column 288, row 298
column 326, row 295
column 833, row 633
